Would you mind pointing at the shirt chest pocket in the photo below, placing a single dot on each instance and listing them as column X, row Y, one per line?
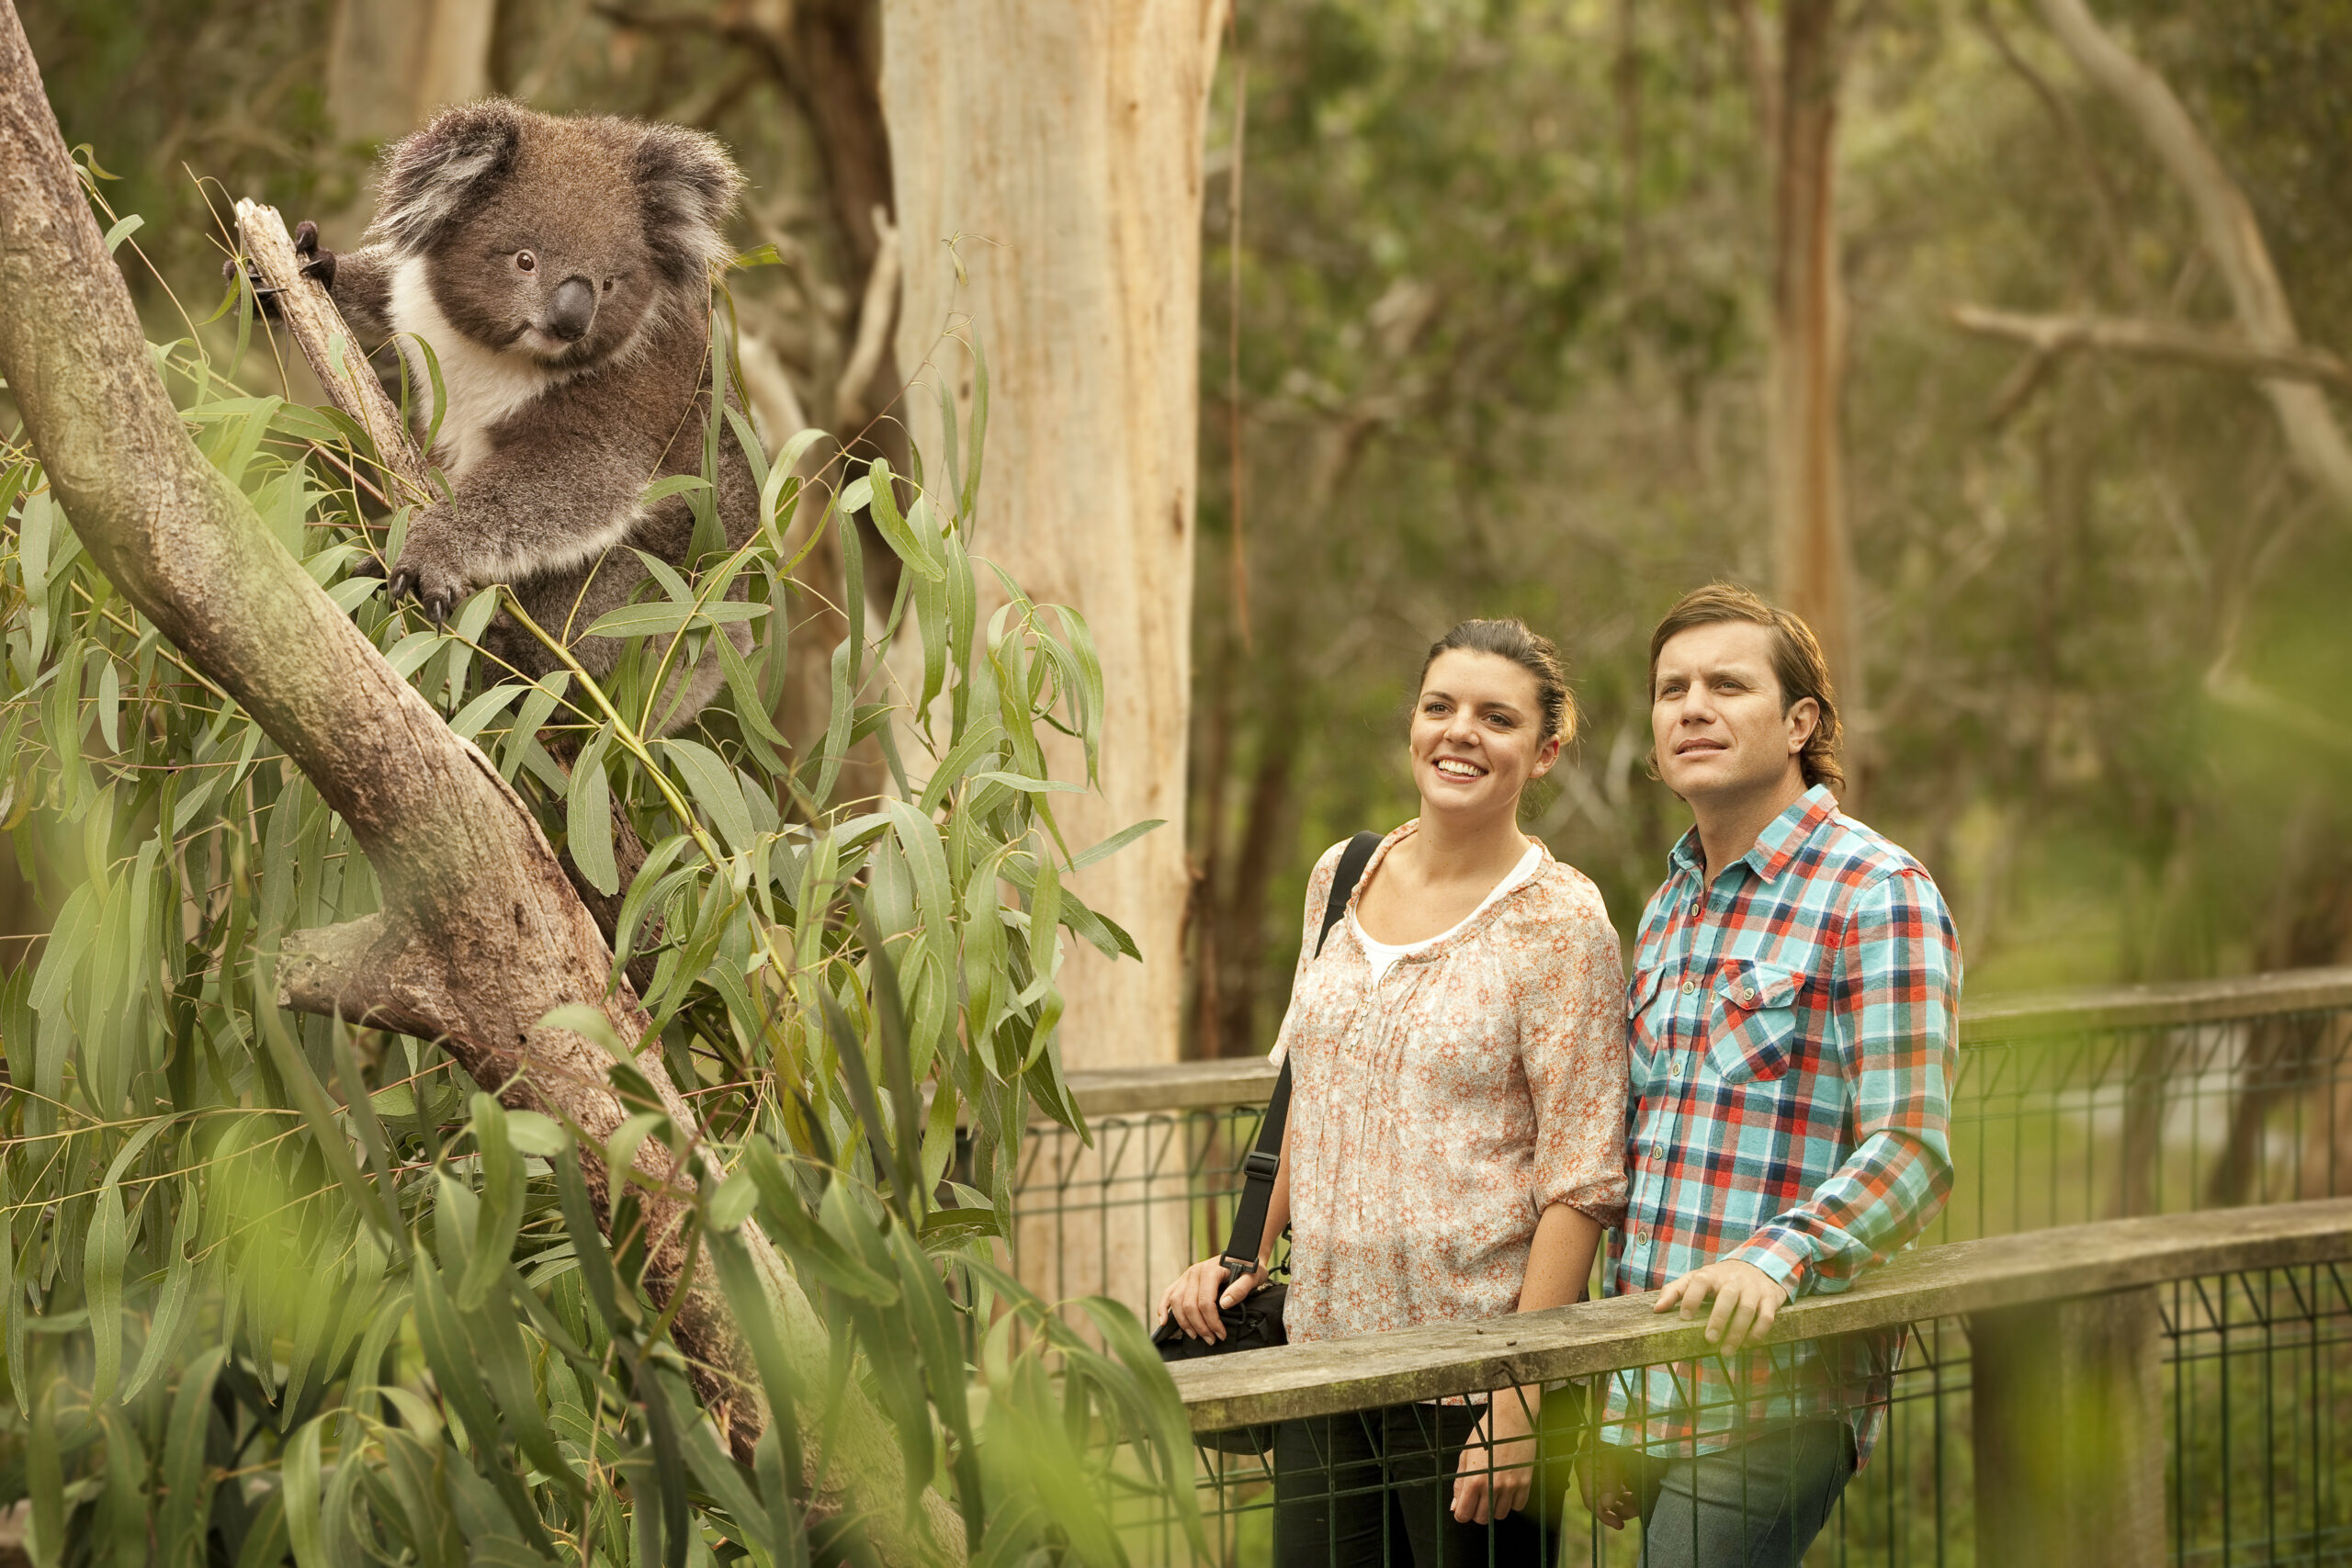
column 1756, row 1031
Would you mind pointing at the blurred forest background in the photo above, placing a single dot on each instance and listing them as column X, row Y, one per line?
column 1488, row 325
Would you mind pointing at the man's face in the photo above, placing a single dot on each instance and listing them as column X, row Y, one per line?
column 1715, row 715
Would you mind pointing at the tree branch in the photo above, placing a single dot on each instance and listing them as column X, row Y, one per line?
column 2162, row 340
column 2232, row 237
column 339, row 362
column 488, row 935
column 876, row 316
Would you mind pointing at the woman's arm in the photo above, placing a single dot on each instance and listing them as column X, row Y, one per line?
column 1498, row 1467
column 1559, row 1262
column 1201, row 1291
column 1573, row 1044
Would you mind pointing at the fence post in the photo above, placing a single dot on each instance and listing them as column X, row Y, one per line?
column 2069, row 1431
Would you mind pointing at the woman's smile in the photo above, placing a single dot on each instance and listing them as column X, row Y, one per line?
column 1477, row 734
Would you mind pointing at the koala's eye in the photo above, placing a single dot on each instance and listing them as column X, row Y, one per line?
column 608, row 285
column 525, row 262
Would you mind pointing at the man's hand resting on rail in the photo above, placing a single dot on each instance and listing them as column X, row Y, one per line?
column 1746, row 1299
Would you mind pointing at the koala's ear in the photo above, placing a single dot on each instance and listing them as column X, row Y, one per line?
column 435, row 176
column 687, row 184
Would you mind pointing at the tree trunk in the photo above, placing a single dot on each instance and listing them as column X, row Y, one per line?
column 1812, row 559
column 1272, row 812
column 481, row 935
column 391, row 63
column 1062, row 141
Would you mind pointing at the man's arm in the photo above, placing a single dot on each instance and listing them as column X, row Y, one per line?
column 1898, row 985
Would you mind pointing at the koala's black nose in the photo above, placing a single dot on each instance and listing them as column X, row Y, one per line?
column 575, row 307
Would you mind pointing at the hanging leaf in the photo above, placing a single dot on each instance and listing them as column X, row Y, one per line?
column 651, row 619
column 714, row 788
column 502, row 1204
column 588, row 815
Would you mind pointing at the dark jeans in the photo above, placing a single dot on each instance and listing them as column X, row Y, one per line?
column 1375, row 1487
column 1757, row 1504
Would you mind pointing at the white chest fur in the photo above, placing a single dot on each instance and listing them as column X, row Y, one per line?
column 483, row 386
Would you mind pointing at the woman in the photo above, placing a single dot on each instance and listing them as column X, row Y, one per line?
column 1456, row 1137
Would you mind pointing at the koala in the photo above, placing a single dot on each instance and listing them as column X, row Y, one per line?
column 560, row 269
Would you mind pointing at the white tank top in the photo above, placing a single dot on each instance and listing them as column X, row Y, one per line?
column 1385, row 955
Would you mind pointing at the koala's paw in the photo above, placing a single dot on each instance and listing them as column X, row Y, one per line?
column 429, row 571
column 315, row 263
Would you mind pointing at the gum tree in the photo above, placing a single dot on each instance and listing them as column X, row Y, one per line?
column 355, row 1200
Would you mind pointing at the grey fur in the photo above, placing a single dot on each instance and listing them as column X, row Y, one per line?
column 549, row 440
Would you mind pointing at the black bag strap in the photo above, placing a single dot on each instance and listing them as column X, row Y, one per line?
column 1265, row 1161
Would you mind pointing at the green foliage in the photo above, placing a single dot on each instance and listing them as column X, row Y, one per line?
column 275, row 1288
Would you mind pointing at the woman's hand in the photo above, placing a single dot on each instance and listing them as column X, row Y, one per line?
column 1498, row 1467
column 1201, row 1292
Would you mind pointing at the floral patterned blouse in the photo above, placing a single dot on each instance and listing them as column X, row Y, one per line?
column 1437, row 1112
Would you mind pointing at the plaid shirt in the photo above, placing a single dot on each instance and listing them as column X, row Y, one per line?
column 1792, row 1044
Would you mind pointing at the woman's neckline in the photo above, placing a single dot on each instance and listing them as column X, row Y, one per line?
column 1379, row 951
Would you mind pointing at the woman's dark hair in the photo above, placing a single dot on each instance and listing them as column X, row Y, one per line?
column 1537, row 655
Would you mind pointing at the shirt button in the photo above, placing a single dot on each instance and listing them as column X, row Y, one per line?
column 1690, row 988
column 1657, row 1151
column 1747, row 994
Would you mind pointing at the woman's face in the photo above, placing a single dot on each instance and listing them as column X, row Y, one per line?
column 1477, row 735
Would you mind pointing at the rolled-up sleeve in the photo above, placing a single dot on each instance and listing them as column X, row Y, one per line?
column 1572, row 1027
column 1898, row 992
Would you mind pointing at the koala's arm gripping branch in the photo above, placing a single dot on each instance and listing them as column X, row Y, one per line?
column 337, row 357
column 488, row 935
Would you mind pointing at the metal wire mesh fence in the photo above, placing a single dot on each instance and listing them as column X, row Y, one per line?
column 2257, row 1458
column 2258, row 1365
column 2067, row 1111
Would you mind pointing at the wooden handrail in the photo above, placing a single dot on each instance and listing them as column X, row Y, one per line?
column 1176, row 1087
column 1432, row 1362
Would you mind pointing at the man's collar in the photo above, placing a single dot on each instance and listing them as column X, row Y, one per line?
column 1790, row 832
column 1778, row 842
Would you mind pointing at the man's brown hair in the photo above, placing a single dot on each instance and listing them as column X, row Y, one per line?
column 1797, row 665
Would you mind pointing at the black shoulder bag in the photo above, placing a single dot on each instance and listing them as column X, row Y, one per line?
column 1256, row 1322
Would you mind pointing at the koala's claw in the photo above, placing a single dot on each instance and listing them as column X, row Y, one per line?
column 264, row 296
column 316, row 263
column 437, row 598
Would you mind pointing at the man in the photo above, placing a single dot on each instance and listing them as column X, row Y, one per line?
column 1792, row 1009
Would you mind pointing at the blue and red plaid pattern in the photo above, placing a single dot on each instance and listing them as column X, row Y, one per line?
column 1792, row 1033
